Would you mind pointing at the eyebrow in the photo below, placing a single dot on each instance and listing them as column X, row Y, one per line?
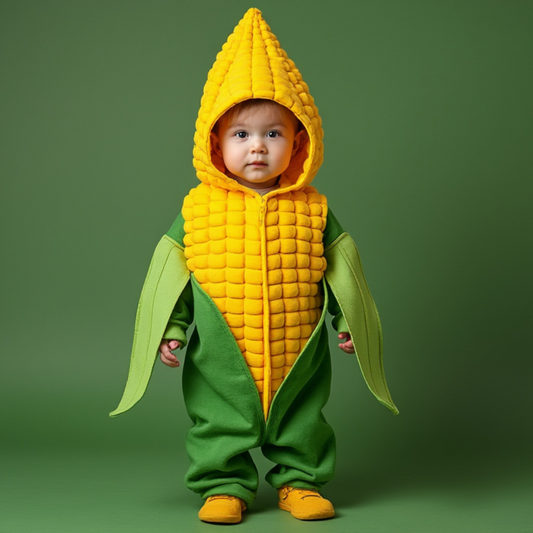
column 273, row 125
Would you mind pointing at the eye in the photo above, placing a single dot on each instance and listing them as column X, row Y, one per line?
column 241, row 134
column 273, row 134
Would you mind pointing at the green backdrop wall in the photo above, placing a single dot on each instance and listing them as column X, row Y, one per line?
column 427, row 112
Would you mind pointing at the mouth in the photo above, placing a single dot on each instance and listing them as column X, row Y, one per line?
column 257, row 164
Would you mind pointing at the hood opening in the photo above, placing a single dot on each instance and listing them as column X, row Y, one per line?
column 296, row 167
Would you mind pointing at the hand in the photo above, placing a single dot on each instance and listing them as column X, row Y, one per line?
column 347, row 345
column 165, row 349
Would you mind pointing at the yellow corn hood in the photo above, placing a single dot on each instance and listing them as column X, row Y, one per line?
column 252, row 64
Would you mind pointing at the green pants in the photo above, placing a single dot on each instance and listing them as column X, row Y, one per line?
column 223, row 403
column 220, row 394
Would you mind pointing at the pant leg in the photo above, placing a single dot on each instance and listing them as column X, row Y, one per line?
column 223, row 403
column 298, row 438
column 217, row 467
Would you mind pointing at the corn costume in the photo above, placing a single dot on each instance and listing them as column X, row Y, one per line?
column 257, row 273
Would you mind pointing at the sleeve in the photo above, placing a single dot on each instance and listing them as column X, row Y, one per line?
column 332, row 230
column 338, row 321
column 181, row 317
column 183, row 312
column 177, row 231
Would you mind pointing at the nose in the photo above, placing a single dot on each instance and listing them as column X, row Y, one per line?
column 258, row 146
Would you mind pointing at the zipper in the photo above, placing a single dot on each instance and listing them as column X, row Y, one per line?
column 267, row 365
column 262, row 209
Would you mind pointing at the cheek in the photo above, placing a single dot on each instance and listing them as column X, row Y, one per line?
column 233, row 159
column 227, row 150
column 284, row 155
column 235, row 154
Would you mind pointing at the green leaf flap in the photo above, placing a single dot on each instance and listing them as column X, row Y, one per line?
column 167, row 277
column 346, row 279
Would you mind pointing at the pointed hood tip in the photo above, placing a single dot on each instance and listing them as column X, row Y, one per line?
column 252, row 17
column 253, row 11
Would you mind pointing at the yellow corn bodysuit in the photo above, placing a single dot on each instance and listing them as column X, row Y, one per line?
column 257, row 274
column 260, row 258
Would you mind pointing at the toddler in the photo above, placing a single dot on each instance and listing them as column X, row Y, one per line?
column 256, row 258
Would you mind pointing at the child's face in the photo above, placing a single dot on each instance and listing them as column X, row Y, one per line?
column 257, row 145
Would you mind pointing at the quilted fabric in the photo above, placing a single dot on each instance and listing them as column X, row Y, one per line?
column 227, row 238
column 252, row 64
column 260, row 258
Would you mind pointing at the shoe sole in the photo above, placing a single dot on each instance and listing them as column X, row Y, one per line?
column 220, row 520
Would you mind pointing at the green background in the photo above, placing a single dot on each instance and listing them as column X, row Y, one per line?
column 427, row 111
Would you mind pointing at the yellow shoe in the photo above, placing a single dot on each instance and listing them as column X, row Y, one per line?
column 222, row 509
column 305, row 504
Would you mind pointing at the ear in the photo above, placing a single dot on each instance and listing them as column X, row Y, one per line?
column 297, row 142
column 215, row 144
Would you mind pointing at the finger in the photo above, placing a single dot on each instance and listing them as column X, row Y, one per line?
column 348, row 343
column 169, row 362
column 165, row 351
column 347, row 346
column 174, row 344
column 172, row 365
column 345, row 337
